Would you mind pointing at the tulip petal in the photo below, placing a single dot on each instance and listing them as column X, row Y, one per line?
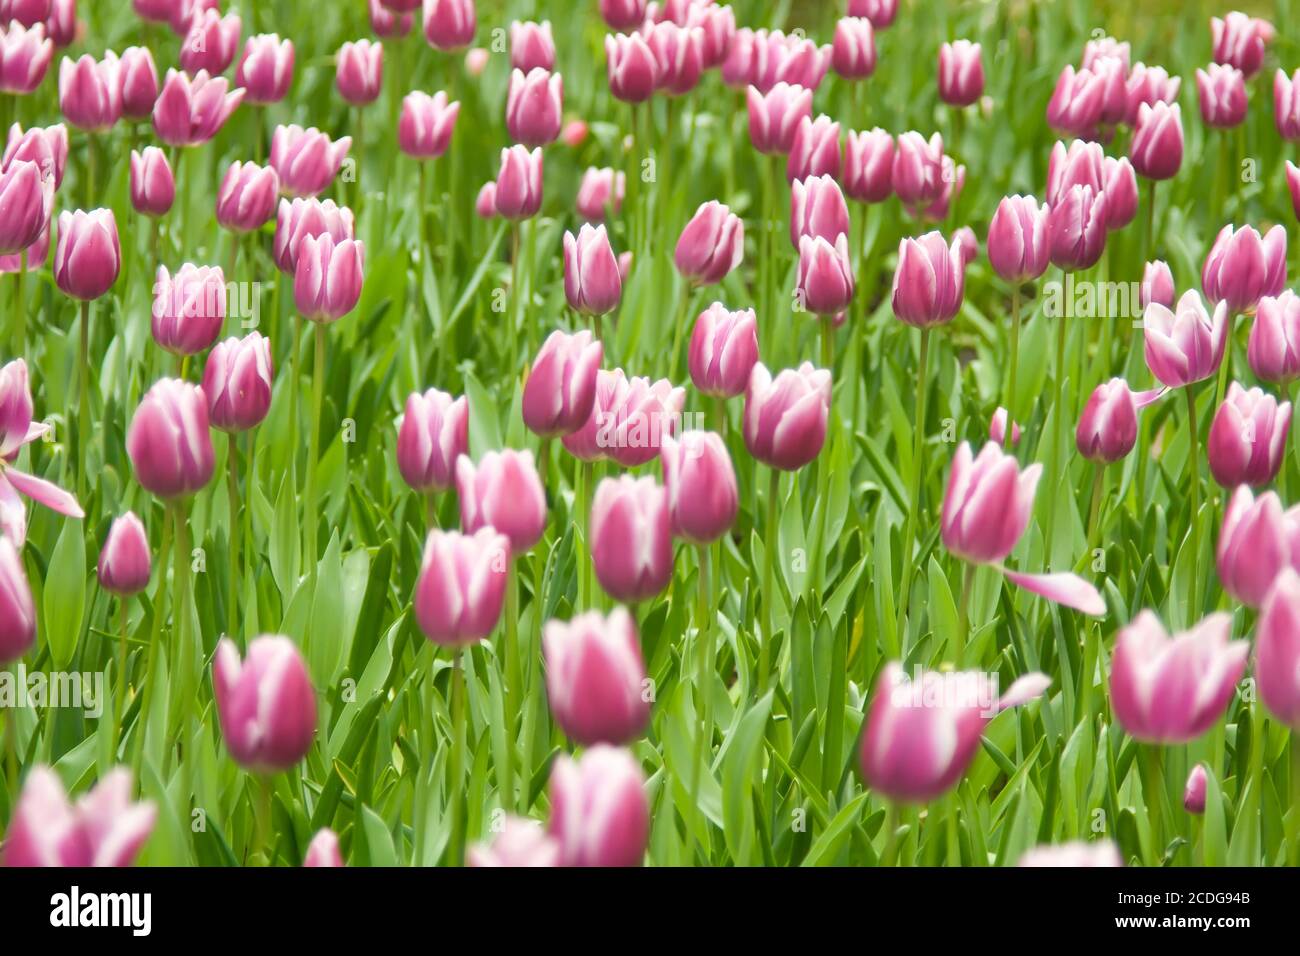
column 1067, row 589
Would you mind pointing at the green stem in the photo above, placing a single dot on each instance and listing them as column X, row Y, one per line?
column 679, row 325
column 1058, row 411
column 514, row 690
column 1010, row 400
column 1148, row 241
column 262, row 844
column 83, row 399
column 313, row 446
column 232, row 496
column 155, row 636
column 1094, row 509
column 20, row 311
column 1194, row 480
column 918, row 470
column 530, row 314
column 1153, row 796
column 430, row 511
column 770, row 547
column 963, row 613
column 120, row 697
column 455, row 792
column 703, row 689
column 587, row 476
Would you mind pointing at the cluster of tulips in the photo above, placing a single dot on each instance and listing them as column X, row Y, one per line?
column 920, row 730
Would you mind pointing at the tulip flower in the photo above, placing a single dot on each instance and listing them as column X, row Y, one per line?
column 237, row 383
column 265, row 70
column 629, row 420
column 1171, row 690
column 560, row 392
column 102, row 829
column 1248, row 438
column 1075, row 854
column 1077, row 102
column 1119, row 183
column 595, row 678
column 1286, row 104
column 929, row 282
column 27, row 12
column 449, row 25
column 1222, row 92
column 1241, row 268
column 390, row 23
column 922, row 732
column 815, row 149
column 189, row 112
column 426, row 124
column 88, row 257
column 532, row 46
column 740, row 68
column 359, row 71
column 1018, row 249
column 599, row 812
column 1277, row 649
column 1076, row 229
column 868, row 165
column 17, row 611
column 711, row 245
column 168, row 441
column 297, row 220
column 323, row 851
column 124, row 561
column 188, row 310
column 853, row 51
column 1239, row 41
column 535, row 107
column 632, row 69
column 679, row 56
column 881, row 13
column 485, row 204
column 34, row 256
column 1274, row 347
column 306, row 160
column 27, row 197
column 46, row 147
column 1157, row 147
column 25, row 55
column 601, row 191
column 961, row 73
column 792, row 59
column 1148, row 86
column 825, row 280
column 247, row 198
column 1186, row 345
column 502, row 492
column 817, row 208
column 918, row 169
column 137, row 83
column 265, row 703
column 153, row 188
column 1157, row 285
column 1254, row 545
column 723, row 350
column 520, row 843
column 328, row 276
column 631, row 538
column 785, row 418
column 183, row 13
column 211, row 43
column 16, row 430
column 592, row 283
column 1082, row 163
column 1107, row 429
column 431, row 435
column 775, row 116
column 519, row 183
column 462, row 586
column 1194, row 791
column 701, row 484
column 998, row 428
column 623, row 14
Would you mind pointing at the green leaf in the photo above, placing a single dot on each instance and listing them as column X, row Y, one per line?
column 65, row 594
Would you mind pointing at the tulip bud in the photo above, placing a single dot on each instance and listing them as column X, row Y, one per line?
column 247, row 198
column 1157, row 147
column 1148, row 85
column 327, row 280
column 519, row 183
column 1157, row 285
column 1241, row 268
column 775, row 116
column 502, row 492
column 431, row 435
column 323, row 851
column 237, row 382
column 535, row 107
column 1248, row 438
column 998, row 428
column 930, row 280
column 623, row 14
column 574, row 133
column 210, row 43
column 1075, row 854
column 817, row 208
column 815, row 149
column 785, row 419
column 25, row 55
column 1077, row 102
column 868, row 165
column 153, row 189
column 701, row 485
column 632, row 69
column 520, row 843
column 1277, row 650
column 88, row 257
column 188, row 311
column 462, row 585
column 853, row 52
column 301, row 218
column 168, row 441
column 718, row 26
column 191, row 112
column 17, row 612
column 631, row 538
column 390, row 23
column 485, row 204
column 1171, row 690
column 961, row 73
column 1239, row 41
column 599, row 811
column 532, row 46
column 1222, row 92
column 265, row 70
column 825, row 281
column 27, row 197
column 265, row 703
column 1254, row 546
column 89, row 95
column 305, row 159
column 15, row 408
column 711, row 245
column 137, row 83
column 359, row 71
column 679, row 56
column 601, row 191
column 723, row 350
column 918, row 169
column 1186, row 345
column 1018, row 249
column 1107, row 429
column 1274, row 346
column 560, row 392
column 102, row 829
column 1194, row 792
column 449, row 25
column 592, row 283
column 594, row 678
column 1286, row 104
column 1114, row 96
column 124, row 562
column 426, row 124
column 1076, row 229
column 1293, row 186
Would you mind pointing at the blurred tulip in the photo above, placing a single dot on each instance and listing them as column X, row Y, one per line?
column 1186, row 345
column 595, row 678
column 1120, row 186
column 359, row 71
column 1076, row 854
column 265, row 70
column 535, row 107
column 785, row 418
column 46, row 147
column 1248, row 438
column 723, row 350
column 775, row 116
column 599, row 811
column 328, row 277
column 1157, row 147
column 868, row 165
column 881, row 13
column 633, row 70
column 306, row 160
column 1113, row 75
column 25, row 55
column 679, row 56
column 1239, row 41
column 237, row 381
column 432, row 434
column 1157, row 285
column 918, row 169
column 825, row 281
column 574, row 133
column 1286, row 104
column 297, row 219
column 701, row 484
column 1148, row 85
column 711, row 245
column 168, row 441
column 815, row 149
column 631, row 538
column 265, row 703
column 449, row 25
column 89, row 95
column 1222, row 93
column 124, row 561
column 323, row 851
column 532, row 46
column 1293, row 186
column 561, row 388
column 600, row 192
column 853, row 52
column 1107, row 429
column 247, row 198
column 1017, row 241
column 718, row 27
column 502, row 492
column 191, row 112
column 817, row 208
column 88, row 257
column 426, row 124
column 137, row 83
column 462, row 585
column 1241, row 268
column 35, row 256
column 518, row 193
column 520, row 843
column 485, row 204
column 1194, row 791
column 27, row 12
column 1277, row 650
column 211, row 43
column 1076, row 229
column 961, row 73
column 623, row 14
column 27, row 198
column 188, row 310
column 476, row 61
column 1274, row 347
column 797, row 60
column 102, row 829
column 1077, row 102
column 17, row 611
column 1254, row 546
column 998, row 428
column 388, row 23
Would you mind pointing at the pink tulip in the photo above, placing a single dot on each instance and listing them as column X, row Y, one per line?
column 25, row 55
column 17, row 612
column 328, row 277
column 679, row 56
column 1157, row 285
column 137, row 83
column 1082, row 163
column 718, row 24
column 1074, row 855
column 191, row 112
column 306, row 160
column 297, row 220
column 961, row 73
column 595, row 678
column 36, row 255
column 561, row 388
column 817, row 208
column 1171, row 690
column 27, row 12
column 189, row 310
column 922, row 732
column 402, row 6
column 184, row 12
column 1274, row 346
column 1186, row 345
column 1293, row 186
column 485, row 204
column 1254, row 545
column 1194, row 791
column 868, row 165
column 1239, row 41
column 518, row 192
column 632, row 69
column 265, row 70
column 1148, row 85
column 592, row 283
column 631, row 538
column 1222, row 92
column 1286, row 104
column 1241, row 268
column 265, row 703
column 918, row 169
column 785, row 419
column 16, row 430
column 247, row 198
column 124, row 562
column 601, row 191
column 1277, row 650
column 1018, row 249
column 168, row 441
column 462, row 585
column 701, row 484
column 815, row 149
column 723, row 350
column 1076, row 229
column 47, row 148
column 62, row 25
column 211, row 43
column 711, row 245
column 1157, row 147
column 426, row 124
column 359, row 71
column 1119, row 183
column 389, row 23
column 27, row 197
column 998, row 428
column 1107, row 429
column 519, row 843
column 1248, row 438
column 89, row 95
column 1113, row 75
column 775, row 116
column 154, row 11
column 623, row 14
column 1077, row 102
column 535, row 107
column 825, row 280
column 323, row 851
column 237, row 383
column 102, row 829
column 599, row 812
column 881, row 13
column 853, row 52
column 88, row 257
column 930, row 281
column 449, row 25
column 532, row 46
column 797, row 60
column 431, row 435
column 628, row 421
column 502, row 492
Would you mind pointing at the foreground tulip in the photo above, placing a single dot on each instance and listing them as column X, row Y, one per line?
column 265, row 70
column 1248, row 438
column 296, row 220
column 1241, row 267
column 815, row 149
column 137, row 81
column 25, row 55
column 27, row 197
column 153, row 188
column 124, row 561
column 1171, row 690
column 599, row 812
column 632, row 69
column 432, row 434
column 825, row 280
column 961, row 73
column 723, row 350
column 775, row 116
column 595, row 678
column 189, row 112
column 1254, row 545
column 502, row 492
column 1076, row 229
column 628, row 421
column 701, row 485
column 592, row 283
column 426, row 124
column 188, row 309
column 265, row 703
column 102, row 829
column 785, row 418
column 1017, row 241
column 922, row 732
column 247, row 198
column 323, row 851
column 1194, row 791
column 1157, row 285
column 1239, row 41
column 1157, row 148
column 168, row 441
column 237, row 383
column 631, row 538
column 711, row 245
column 1222, row 92
column 328, row 276
column 449, row 25
column 518, row 193
column 1186, row 345
column 1076, row 854
column 853, row 51
column 88, row 257
column 868, row 165
column 917, row 175
column 1107, row 429
column 520, row 843
column 306, row 160
column 561, row 388
column 17, row 611
column 1277, row 649
column 462, row 586
column 929, row 282
column 1286, row 104
column 1274, row 346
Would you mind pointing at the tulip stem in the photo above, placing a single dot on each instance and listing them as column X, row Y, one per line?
column 1194, row 480
column 1148, row 242
column 120, row 697
column 90, row 170
column 514, row 679
column 20, row 314
column 313, row 444
column 232, row 492
column 430, row 511
column 1010, row 400
column 890, row 855
column 703, row 665
column 11, row 745
column 770, row 547
column 155, row 636
column 1225, row 363
column 530, row 314
column 918, row 470
column 1094, row 509
column 586, row 476
column 454, row 792
column 963, row 614
column 1058, row 412
column 516, row 300
column 262, row 842
column 683, row 310
column 83, row 399
column 1152, row 786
